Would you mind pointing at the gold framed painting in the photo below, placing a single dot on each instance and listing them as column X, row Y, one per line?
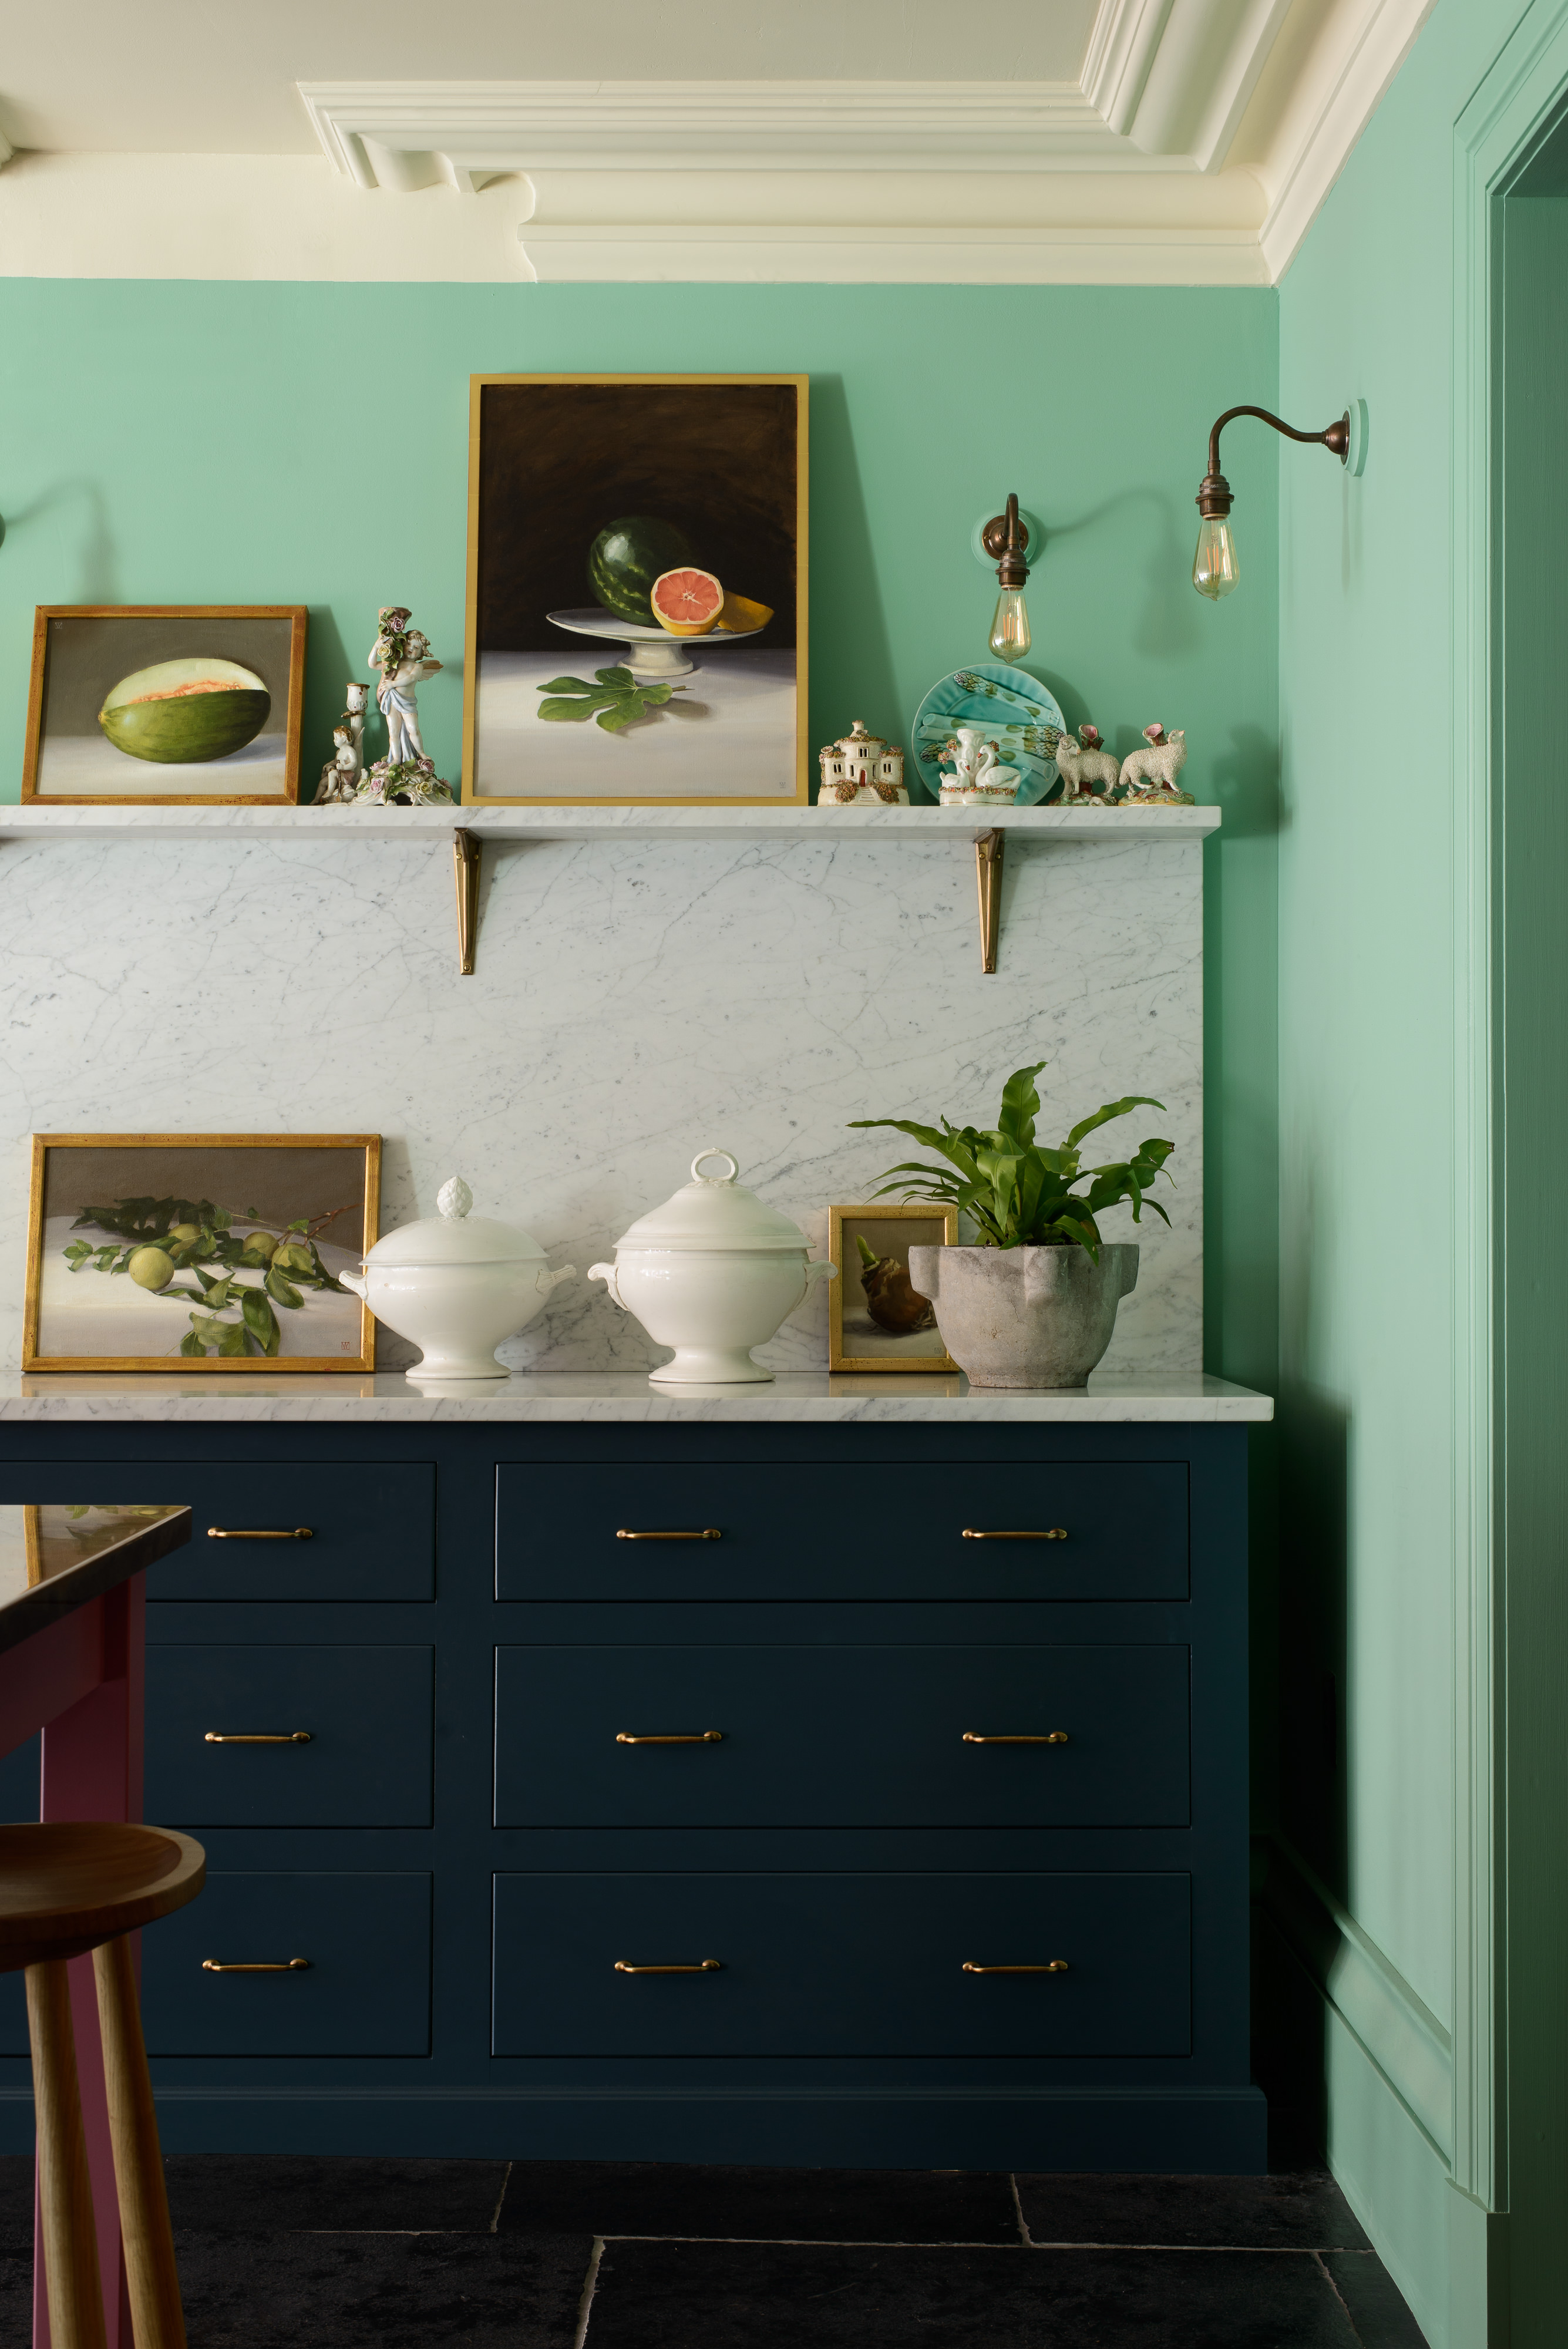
column 221, row 1251
column 636, row 591
column 165, row 705
column 877, row 1320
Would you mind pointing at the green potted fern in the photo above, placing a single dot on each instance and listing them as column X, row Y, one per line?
column 1033, row 1301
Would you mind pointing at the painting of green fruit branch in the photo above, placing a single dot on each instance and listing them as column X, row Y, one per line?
column 162, row 1240
column 233, row 1252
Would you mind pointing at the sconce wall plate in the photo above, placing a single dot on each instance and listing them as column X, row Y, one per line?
column 1356, row 456
column 1035, row 528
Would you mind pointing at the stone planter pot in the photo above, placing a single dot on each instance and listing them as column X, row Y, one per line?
column 1027, row 1316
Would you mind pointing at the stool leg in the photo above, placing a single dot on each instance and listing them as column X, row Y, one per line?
column 156, row 2319
column 64, row 2195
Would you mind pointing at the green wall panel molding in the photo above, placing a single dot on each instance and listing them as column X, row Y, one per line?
column 1398, row 2034
column 1424, row 1632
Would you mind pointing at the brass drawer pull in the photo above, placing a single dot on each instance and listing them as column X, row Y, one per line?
column 704, row 1533
column 279, row 1966
column 1055, row 1533
column 282, row 1533
column 682, row 1737
column 1056, row 1966
column 1052, row 1737
column 237, row 1737
column 703, row 1966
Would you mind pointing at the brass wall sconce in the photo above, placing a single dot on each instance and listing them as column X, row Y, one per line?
column 1215, row 570
column 1005, row 538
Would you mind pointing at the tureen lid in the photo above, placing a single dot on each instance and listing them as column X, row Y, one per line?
column 714, row 1211
column 453, row 1236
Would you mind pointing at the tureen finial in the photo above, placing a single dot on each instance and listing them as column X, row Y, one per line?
column 454, row 1199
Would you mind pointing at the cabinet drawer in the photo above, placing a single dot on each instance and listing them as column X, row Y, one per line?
column 365, row 1712
column 371, row 1527
column 842, row 1736
column 365, row 1990
column 878, row 1531
column 842, row 1965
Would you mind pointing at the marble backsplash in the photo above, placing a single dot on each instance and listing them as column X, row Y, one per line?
column 634, row 1001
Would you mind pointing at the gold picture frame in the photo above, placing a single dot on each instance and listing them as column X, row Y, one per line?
column 873, row 1349
column 105, row 1325
column 79, row 658
column 569, row 467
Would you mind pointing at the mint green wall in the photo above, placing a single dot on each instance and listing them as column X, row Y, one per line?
column 1370, row 1124
column 256, row 443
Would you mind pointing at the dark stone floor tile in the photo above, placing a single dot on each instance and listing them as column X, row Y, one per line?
column 1379, row 2309
column 255, row 2193
column 299, row 2290
column 16, row 2297
column 1305, row 2213
column 832, row 2205
column 778, row 2296
column 16, row 2202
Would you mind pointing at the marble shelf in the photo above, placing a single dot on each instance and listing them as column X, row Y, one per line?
column 926, row 826
column 545, row 1399
column 471, row 826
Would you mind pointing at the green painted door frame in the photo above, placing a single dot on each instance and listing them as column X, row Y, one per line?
column 1509, row 2273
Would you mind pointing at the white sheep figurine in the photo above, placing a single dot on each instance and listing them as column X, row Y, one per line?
column 1144, row 773
column 1086, row 769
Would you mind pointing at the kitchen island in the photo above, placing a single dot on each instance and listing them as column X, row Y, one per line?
column 846, row 1769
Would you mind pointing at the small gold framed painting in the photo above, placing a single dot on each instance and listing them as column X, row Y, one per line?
column 166, row 1251
column 877, row 1321
column 165, row 705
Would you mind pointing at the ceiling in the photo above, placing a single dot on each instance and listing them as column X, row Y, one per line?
column 938, row 142
column 184, row 76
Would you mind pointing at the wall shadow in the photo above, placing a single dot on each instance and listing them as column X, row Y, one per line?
column 851, row 649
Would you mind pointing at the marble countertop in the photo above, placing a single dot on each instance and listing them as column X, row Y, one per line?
column 544, row 1399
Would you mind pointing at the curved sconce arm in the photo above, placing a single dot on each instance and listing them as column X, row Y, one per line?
column 1215, row 570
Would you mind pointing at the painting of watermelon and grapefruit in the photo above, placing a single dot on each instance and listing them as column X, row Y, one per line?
column 636, row 565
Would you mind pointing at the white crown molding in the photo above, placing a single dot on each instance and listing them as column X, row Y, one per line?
column 860, row 255
column 1203, row 140
column 1333, row 93
column 485, row 129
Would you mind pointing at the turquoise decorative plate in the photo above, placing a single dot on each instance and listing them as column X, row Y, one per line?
column 1012, row 708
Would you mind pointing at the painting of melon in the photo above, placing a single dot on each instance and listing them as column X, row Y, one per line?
column 184, row 712
column 169, row 704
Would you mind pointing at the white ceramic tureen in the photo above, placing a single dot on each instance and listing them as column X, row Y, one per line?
column 713, row 1272
column 456, row 1285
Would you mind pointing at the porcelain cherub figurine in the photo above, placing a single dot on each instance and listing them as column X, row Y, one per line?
column 340, row 775
column 402, row 654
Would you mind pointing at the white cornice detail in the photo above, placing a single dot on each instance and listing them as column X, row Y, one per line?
column 1174, row 76
column 1333, row 96
column 487, row 128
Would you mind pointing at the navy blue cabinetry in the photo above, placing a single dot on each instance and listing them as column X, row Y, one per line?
column 696, row 1793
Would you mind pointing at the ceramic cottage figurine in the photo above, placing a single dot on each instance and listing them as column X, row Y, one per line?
column 862, row 766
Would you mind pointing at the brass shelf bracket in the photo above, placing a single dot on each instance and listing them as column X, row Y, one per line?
column 466, row 853
column 990, row 847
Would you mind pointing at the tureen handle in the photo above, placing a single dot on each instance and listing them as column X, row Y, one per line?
column 730, row 1161
column 820, row 1269
column 606, row 1272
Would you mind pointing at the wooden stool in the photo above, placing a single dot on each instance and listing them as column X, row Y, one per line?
column 65, row 1890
